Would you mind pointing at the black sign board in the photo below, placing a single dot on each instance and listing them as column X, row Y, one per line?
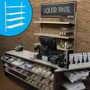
column 58, row 9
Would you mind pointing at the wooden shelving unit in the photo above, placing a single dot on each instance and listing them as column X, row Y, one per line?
column 63, row 49
column 13, row 19
column 25, row 55
column 21, row 79
column 51, row 22
column 26, row 70
column 53, row 35
column 15, row 13
column 16, row 25
column 66, row 23
column 24, row 74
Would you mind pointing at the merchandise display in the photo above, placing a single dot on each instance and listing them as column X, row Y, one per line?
column 37, row 81
column 48, row 73
column 63, row 19
column 12, row 59
column 69, row 44
column 43, row 71
column 52, row 77
column 37, row 75
column 15, row 68
column 79, row 60
column 18, row 62
column 75, row 86
column 44, row 76
column 77, row 75
column 66, row 33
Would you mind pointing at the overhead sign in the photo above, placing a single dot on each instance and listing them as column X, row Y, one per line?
column 58, row 9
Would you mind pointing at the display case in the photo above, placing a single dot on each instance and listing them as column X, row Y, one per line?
column 35, row 73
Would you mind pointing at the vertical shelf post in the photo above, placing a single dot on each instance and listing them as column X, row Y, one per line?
column 75, row 34
column 21, row 13
column 40, row 26
column 5, row 19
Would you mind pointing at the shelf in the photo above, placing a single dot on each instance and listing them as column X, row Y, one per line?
column 20, row 73
column 15, row 6
column 23, row 74
column 51, row 22
column 58, row 47
column 16, row 71
column 63, row 49
column 29, row 56
column 54, row 35
column 28, row 70
column 15, row 19
column 16, row 25
column 37, row 44
column 20, row 79
column 15, row 13
column 76, row 68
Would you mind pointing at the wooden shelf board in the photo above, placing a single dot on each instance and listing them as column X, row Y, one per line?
column 52, row 22
column 16, row 71
column 63, row 49
column 54, row 35
column 35, row 44
column 15, row 25
column 20, row 79
column 15, row 6
column 24, row 74
column 83, row 67
column 28, row 70
column 15, row 13
column 15, row 19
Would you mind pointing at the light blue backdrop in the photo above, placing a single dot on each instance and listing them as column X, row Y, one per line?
column 19, row 29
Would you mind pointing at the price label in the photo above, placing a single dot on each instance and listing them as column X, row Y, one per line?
column 44, row 58
column 53, row 65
